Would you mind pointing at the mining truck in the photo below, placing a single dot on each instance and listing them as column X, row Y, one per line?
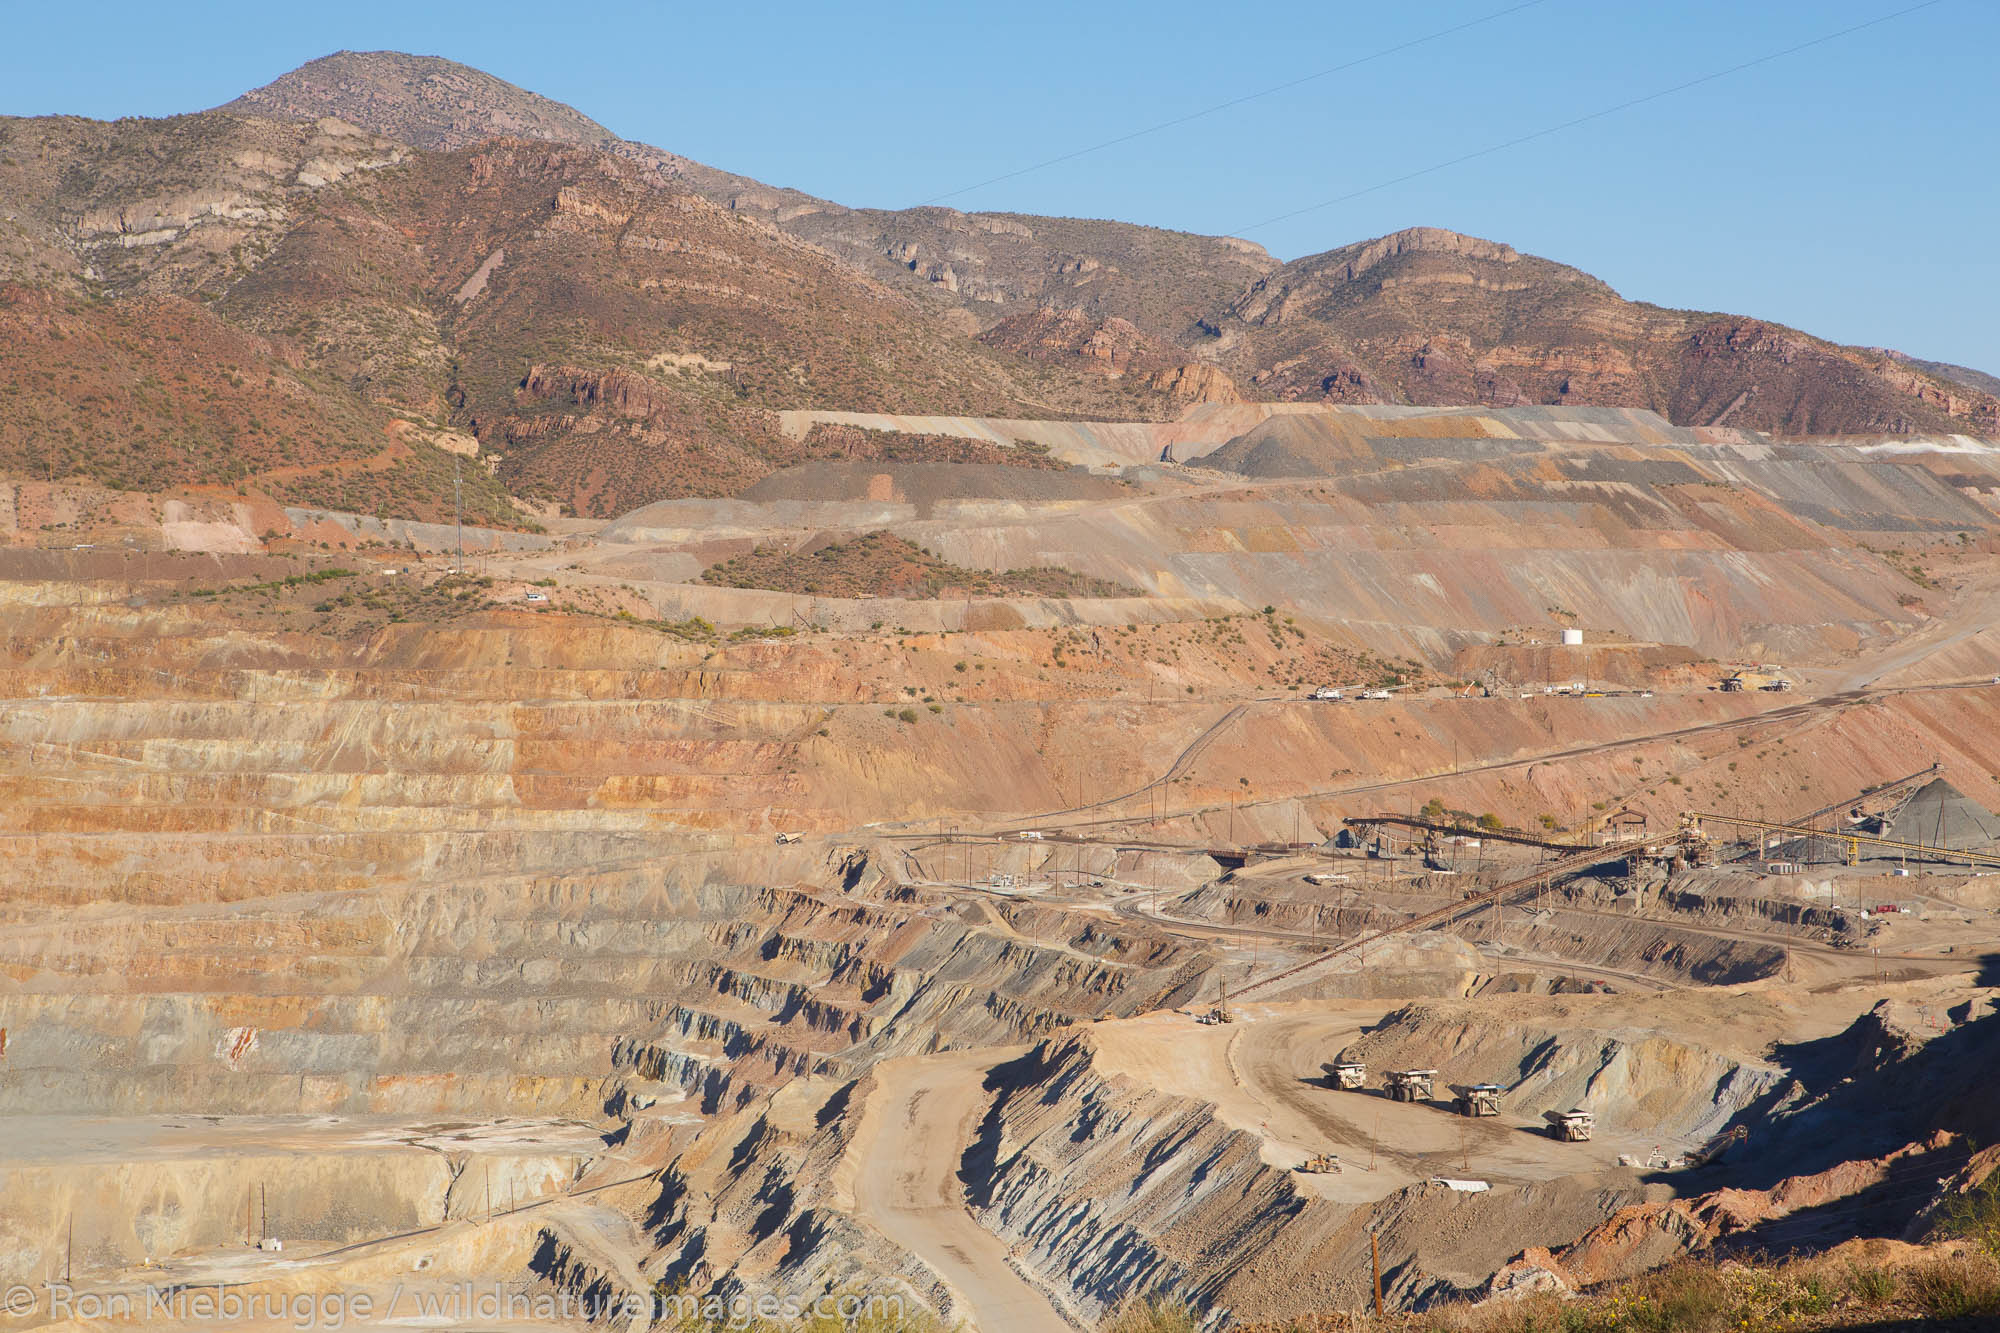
column 1476, row 1099
column 1571, row 1126
column 1409, row 1085
column 1346, row 1075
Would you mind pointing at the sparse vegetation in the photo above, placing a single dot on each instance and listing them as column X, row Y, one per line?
column 880, row 564
column 1973, row 1216
column 1707, row 1296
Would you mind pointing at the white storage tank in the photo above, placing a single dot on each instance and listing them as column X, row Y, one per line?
column 1572, row 638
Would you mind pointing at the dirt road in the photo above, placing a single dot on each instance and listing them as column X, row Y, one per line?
column 1279, row 1063
column 917, row 1124
column 1066, row 821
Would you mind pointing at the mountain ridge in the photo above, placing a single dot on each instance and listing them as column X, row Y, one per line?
column 1405, row 340
column 402, row 248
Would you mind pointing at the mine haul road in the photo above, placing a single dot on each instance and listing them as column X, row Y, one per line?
column 1066, row 821
column 918, row 1122
column 1386, row 1145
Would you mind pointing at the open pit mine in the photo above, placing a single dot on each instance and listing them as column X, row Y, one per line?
column 1448, row 854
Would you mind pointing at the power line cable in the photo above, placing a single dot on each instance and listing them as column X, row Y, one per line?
column 1613, row 110
column 1234, row 102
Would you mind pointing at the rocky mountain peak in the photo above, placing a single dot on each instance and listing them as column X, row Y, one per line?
column 1359, row 258
column 423, row 101
column 1416, row 257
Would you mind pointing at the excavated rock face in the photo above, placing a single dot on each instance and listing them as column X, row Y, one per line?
column 1892, row 1078
column 542, row 996
column 1601, row 1059
column 1107, row 1187
column 1195, row 383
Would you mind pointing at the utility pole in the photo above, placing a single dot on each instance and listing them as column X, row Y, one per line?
column 1375, row 1263
column 458, row 510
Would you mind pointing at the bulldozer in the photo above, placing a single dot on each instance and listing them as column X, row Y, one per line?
column 1409, row 1085
column 1572, row 1126
column 1346, row 1075
column 1476, row 1099
column 1320, row 1163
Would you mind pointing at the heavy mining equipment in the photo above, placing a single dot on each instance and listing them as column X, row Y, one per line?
column 1717, row 1146
column 1572, row 1126
column 1410, row 1085
column 1320, row 1163
column 1346, row 1075
column 1476, row 1099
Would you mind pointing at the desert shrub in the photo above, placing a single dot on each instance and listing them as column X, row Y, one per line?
column 1960, row 1286
column 1154, row 1315
column 1871, row 1286
column 1972, row 1216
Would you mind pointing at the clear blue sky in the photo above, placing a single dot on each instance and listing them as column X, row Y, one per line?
column 1850, row 189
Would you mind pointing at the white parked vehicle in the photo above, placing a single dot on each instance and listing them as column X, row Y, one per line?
column 1326, row 692
column 536, row 597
